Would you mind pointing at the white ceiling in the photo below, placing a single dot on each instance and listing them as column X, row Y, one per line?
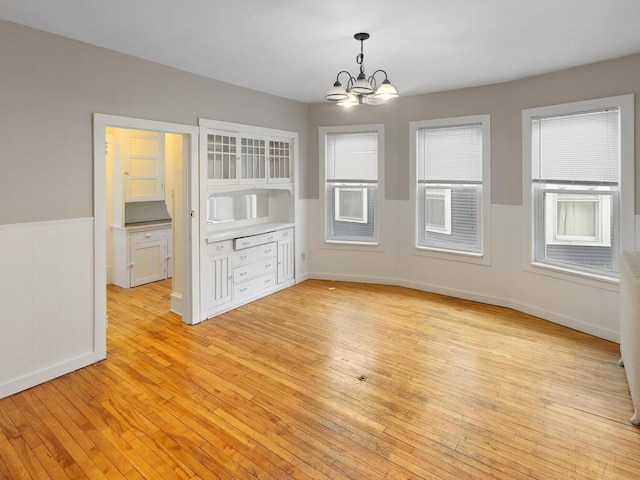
column 294, row 48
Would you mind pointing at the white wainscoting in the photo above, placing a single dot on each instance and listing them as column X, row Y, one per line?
column 585, row 305
column 46, row 307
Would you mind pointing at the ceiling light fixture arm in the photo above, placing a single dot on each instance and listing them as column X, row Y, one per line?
column 361, row 90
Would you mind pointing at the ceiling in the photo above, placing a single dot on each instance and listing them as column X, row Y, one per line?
column 294, row 48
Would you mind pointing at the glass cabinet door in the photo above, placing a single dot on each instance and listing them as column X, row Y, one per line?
column 279, row 161
column 222, row 156
column 253, row 158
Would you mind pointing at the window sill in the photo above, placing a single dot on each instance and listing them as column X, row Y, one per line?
column 351, row 246
column 574, row 276
column 452, row 255
column 347, row 242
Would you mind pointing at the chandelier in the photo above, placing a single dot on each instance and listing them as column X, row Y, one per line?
column 361, row 90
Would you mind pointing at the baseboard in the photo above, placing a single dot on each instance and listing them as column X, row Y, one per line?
column 302, row 278
column 109, row 274
column 36, row 378
column 177, row 303
column 547, row 315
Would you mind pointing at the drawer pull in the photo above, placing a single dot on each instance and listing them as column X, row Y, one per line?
column 285, row 234
column 267, row 266
column 243, row 257
column 242, row 274
column 219, row 247
column 268, row 280
column 267, row 250
column 148, row 235
column 243, row 289
column 270, row 237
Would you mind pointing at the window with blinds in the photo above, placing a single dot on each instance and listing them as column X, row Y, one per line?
column 575, row 161
column 449, row 174
column 351, row 186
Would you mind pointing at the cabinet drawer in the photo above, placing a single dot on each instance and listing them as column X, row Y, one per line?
column 254, row 286
column 284, row 234
column 246, row 242
column 252, row 270
column 218, row 248
column 148, row 235
column 253, row 254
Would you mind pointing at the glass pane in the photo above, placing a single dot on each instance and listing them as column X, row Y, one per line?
column 462, row 218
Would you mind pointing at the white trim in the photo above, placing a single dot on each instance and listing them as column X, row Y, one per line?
column 100, row 123
column 243, row 128
column 627, row 179
column 36, row 378
column 177, row 305
column 9, row 226
column 378, row 128
column 485, row 257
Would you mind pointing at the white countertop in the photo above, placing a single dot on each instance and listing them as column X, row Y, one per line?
column 133, row 227
column 229, row 233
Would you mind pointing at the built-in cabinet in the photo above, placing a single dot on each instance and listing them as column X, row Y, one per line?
column 244, row 268
column 248, row 214
column 142, row 254
column 143, row 166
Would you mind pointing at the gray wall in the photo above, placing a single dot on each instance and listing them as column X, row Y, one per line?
column 504, row 102
column 49, row 88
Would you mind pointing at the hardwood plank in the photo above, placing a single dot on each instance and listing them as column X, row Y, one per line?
column 452, row 389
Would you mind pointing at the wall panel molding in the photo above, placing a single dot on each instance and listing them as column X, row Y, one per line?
column 46, row 312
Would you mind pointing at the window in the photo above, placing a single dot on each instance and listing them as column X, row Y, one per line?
column 452, row 184
column 574, row 169
column 351, row 205
column 578, row 219
column 350, row 189
column 437, row 210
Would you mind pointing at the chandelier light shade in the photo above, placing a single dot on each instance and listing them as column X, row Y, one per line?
column 361, row 90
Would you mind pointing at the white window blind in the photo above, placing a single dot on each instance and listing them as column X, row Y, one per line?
column 578, row 148
column 352, row 156
column 450, row 154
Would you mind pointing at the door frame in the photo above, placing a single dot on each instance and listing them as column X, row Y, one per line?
column 191, row 236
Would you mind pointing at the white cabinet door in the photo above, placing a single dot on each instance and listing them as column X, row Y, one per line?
column 280, row 161
column 217, row 275
column 253, row 159
column 285, row 260
column 143, row 169
column 222, row 156
column 218, row 281
column 148, row 262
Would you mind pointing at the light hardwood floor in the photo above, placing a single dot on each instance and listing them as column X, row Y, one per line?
column 329, row 380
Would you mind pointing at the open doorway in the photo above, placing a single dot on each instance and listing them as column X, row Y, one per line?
column 153, row 202
column 145, row 212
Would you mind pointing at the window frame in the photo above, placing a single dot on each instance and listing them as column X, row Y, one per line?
column 602, row 217
column 484, row 257
column 626, row 195
column 445, row 192
column 339, row 217
column 326, row 242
